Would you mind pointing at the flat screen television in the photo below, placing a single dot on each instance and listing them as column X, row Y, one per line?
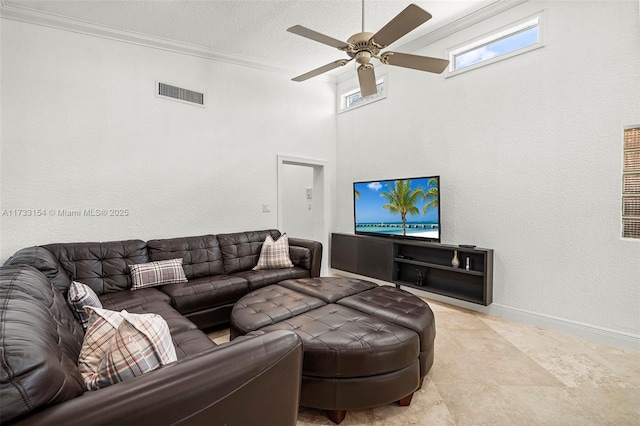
column 401, row 208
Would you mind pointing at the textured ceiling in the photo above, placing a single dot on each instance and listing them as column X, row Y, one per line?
column 254, row 30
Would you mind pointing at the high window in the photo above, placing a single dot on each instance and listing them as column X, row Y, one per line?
column 631, row 184
column 507, row 42
column 353, row 98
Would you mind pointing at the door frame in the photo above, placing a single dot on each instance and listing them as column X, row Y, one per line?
column 320, row 205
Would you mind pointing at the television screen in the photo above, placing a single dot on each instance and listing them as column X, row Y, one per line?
column 407, row 208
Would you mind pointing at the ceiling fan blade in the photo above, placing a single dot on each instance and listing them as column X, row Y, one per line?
column 322, row 69
column 416, row 62
column 316, row 36
column 367, row 79
column 406, row 21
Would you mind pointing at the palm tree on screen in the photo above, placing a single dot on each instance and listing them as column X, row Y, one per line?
column 356, row 194
column 430, row 196
column 401, row 199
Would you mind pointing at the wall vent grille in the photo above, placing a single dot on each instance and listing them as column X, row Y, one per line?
column 178, row 93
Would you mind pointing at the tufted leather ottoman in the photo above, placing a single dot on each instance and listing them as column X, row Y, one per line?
column 364, row 345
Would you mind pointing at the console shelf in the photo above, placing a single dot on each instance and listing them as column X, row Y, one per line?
column 434, row 265
column 416, row 264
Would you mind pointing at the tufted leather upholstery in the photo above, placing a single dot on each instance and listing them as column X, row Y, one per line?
column 329, row 289
column 264, row 277
column 102, row 266
column 364, row 345
column 41, row 340
column 267, row 306
column 404, row 309
column 201, row 256
column 342, row 342
column 241, row 250
column 399, row 307
column 208, row 296
column 206, row 292
column 44, row 261
column 40, row 343
column 40, row 384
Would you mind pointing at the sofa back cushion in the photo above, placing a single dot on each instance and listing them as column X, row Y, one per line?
column 241, row 250
column 102, row 266
column 40, row 343
column 44, row 261
column 201, row 256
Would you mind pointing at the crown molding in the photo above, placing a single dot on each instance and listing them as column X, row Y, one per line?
column 46, row 19
column 450, row 28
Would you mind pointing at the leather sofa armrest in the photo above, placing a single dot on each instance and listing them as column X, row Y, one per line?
column 231, row 384
column 316, row 253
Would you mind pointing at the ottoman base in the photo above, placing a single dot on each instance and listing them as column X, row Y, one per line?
column 354, row 393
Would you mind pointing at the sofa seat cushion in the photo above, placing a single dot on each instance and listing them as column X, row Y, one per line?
column 205, row 293
column 120, row 300
column 191, row 342
column 263, row 278
column 176, row 322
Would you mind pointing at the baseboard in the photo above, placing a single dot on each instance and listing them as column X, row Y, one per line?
column 574, row 328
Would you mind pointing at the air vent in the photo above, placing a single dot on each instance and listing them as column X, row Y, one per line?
column 180, row 94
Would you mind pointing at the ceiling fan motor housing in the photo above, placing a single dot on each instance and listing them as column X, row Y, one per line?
column 362, row 47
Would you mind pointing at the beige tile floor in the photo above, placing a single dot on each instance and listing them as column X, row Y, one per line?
column 493, row 371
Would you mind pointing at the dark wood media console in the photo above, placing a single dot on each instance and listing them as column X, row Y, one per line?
column 416, row 264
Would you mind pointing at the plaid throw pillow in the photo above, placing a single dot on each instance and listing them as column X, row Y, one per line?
column 157, row 273
column 79, row 296
column 139, row 344
column 102, row 327
column 274, row 254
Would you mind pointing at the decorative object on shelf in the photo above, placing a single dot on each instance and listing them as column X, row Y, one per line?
column 419, row 281
column 467, row 265
column 455, row 262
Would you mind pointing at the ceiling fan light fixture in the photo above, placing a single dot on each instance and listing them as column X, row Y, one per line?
column 363, row 57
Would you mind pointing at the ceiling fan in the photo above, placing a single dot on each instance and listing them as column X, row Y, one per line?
column 364, row 45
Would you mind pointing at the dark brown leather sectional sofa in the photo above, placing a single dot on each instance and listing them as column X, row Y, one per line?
column 209, row 384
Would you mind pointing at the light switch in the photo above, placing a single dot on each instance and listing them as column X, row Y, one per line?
column 266, row 208
column 309, row 192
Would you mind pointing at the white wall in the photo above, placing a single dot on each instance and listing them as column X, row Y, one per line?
column 82, row 129
column 529, row 152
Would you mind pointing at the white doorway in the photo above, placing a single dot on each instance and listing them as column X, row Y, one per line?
column 302, row 200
